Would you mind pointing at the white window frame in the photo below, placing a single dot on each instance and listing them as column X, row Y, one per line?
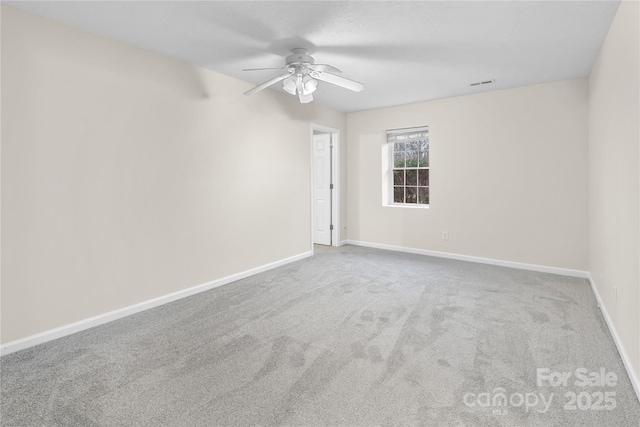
column 391, row 167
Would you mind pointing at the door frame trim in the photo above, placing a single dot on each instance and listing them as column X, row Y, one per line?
column 335, row 180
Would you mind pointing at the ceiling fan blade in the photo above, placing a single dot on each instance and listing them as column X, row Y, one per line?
column 341, row 81
column 324, row 67
column 261, row 69
column 267, row 84
column 304, row 99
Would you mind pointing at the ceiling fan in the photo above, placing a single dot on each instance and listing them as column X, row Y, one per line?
column 301, row 75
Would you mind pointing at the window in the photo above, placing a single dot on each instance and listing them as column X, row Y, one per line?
column 409, row 154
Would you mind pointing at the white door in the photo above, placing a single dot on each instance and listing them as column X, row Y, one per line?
column 322, row 189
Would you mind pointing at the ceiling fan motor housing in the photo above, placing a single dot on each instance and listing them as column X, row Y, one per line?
column 299, row 56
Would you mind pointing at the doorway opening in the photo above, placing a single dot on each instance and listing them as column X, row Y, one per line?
column 325, row 186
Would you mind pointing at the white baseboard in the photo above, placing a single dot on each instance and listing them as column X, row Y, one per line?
column 81, row 325
column 470, row 258
column 633, row 377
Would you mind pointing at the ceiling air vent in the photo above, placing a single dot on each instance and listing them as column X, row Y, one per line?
column 485, row 82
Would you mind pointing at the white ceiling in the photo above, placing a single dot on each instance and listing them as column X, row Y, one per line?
column 402, row 51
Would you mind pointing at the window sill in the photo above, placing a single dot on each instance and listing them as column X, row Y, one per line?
column 406, row 206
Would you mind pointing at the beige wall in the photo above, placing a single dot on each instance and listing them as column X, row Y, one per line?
column 127, row 176
column 614, row 176
column 508, row 176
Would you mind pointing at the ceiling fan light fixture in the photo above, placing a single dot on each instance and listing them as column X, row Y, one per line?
column 289, row 85
column 309, row 84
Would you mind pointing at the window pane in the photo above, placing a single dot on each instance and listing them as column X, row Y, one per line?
column 398, row 146
column 423, row 195
column 424, row 145
column 398, row 195
column 412, row 195
column 423, row 159
column 423, row 177
column 413, row 148
column 398, row 159
column 412, row 176
column 412, row 159
column 398, row 177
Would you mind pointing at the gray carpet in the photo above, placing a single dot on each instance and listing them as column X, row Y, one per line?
column 351, row 337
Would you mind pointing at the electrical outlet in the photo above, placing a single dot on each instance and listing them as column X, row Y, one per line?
column 445, row 235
